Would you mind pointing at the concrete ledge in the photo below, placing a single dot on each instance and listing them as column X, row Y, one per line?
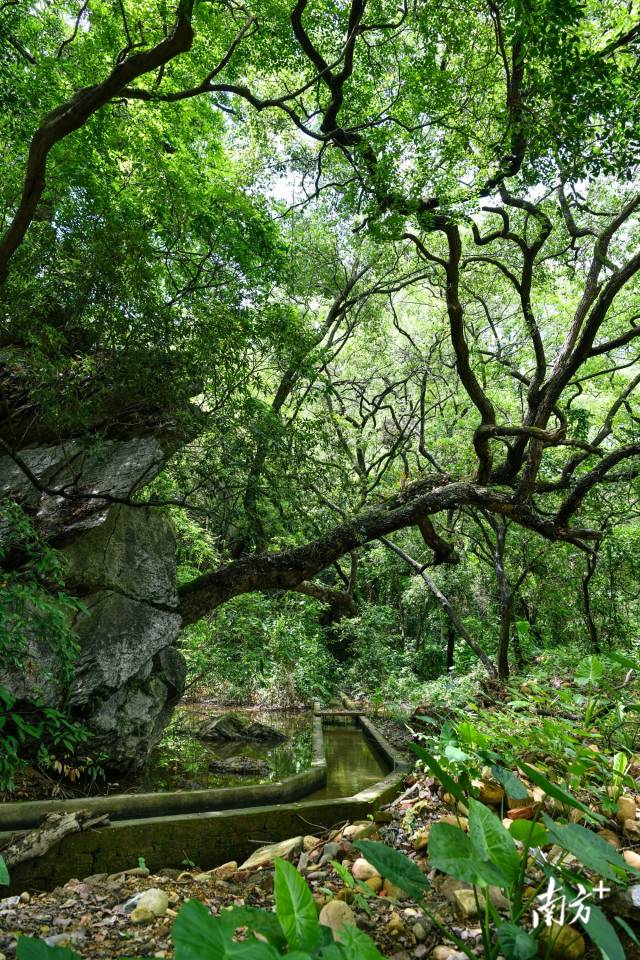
column 128, row 806
column 206, row 838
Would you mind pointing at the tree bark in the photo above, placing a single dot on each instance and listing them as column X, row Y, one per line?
column 286, row 569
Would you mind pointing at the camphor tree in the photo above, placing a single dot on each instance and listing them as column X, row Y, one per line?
column 481, row 155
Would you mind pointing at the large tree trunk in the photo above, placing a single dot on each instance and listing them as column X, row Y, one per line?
column 286, row 569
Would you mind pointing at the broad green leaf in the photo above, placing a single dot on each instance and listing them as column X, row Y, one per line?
column 529, row 832
column 357, row 945
column 295, row 907
column 451, row 851
column 452, row 752
column 395, row 866
column 516, row 943
column 592, row 851
column 558, row 793
column 588, row 671
column 200, row 936
column 447, row 781
column 260, row 921
column 197, row 935
column 332, row 952
column 513, row 785
column 30, row 948
column 603, row 934
column 4, row 873
column 492, row 842
column 623, row 660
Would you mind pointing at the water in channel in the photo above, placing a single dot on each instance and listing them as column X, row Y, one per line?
column 181, row 761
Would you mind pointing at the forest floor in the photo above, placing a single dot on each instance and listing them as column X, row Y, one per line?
column 94, row 915
column 90, row 914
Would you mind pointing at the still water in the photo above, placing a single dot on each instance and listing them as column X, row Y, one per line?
column 351, row 763
column 181, row 761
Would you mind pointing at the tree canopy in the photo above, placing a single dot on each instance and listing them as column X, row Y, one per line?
column 378, row 262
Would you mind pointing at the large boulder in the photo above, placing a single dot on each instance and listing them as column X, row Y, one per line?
column 121, row 563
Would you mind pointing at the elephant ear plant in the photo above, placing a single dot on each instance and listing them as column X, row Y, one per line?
column 535, row 864
column 293, row 931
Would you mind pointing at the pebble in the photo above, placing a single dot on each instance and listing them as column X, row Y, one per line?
column 420, row 951
column 632, row 828
column 363, row 870
column 141, row 915
column 611, row 838
column 443, row 952
column 566, row 942
column 330, row 852
column 336, row 914
column 419, row 932
column 395, row 926
column 153, row 899
column 360, row 830
column 632, row 858
column 225, row 871
column 626, row 809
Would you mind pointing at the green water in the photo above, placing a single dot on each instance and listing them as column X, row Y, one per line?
column 181, row 760
column 352, row 765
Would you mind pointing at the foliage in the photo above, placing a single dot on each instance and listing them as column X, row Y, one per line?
column 36, row 639
column 293, row 931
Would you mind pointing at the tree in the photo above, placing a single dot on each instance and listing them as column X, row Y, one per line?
column 486, row 157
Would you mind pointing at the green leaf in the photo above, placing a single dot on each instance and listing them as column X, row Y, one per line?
column 447, row 782
column 530, row 833
column 558, row 793
column 592, row 851
column 4, row 873
column 200, row 936
column 491, row 841
column 295, row 907
column 513, row 785
column 451, row 851
column 260, row 921
column 603, row 935
column 30, row 948
column 452, row 752
column 622, row 660
column 343, row 873
column 197, row 935
column 395, row 866
column 332, row 952
column 357, row 945
column 627, row 929
column 588, row 671
column 516, row 943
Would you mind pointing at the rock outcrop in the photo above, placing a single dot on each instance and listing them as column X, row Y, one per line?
column 121, row 564
column 231, row 727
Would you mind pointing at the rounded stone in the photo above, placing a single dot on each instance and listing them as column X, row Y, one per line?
column 142, row 915
column 363, row 870
column 336, row 914
column 154, row 900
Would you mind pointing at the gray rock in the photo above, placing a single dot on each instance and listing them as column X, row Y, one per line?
column 132, row 553
column 109, row 654
column 128, row 724
column 245, row 766
column 231, row 727
column 121, row 561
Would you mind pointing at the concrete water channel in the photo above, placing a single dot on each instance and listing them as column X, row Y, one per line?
column 353, row 770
